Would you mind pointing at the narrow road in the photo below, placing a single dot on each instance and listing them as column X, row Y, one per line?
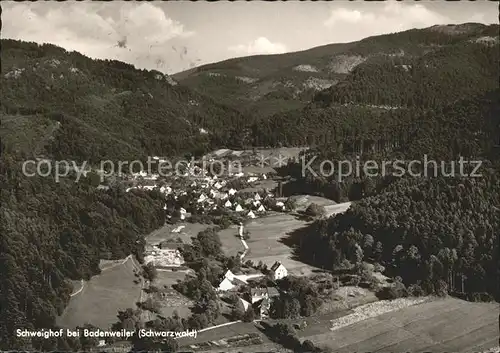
column 216, row 326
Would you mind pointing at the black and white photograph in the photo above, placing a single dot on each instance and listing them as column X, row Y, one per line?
column 250, row 176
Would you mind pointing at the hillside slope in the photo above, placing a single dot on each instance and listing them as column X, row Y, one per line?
column 93, row 108
column 268, row 84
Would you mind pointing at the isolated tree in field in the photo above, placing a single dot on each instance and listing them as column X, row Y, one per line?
column 128, row 319
column 308, row 347
column 315, row 210
column 198, row 321
column 149, row 272
column 170, row 345
column 88, row 342
column 358, row 254
column 233, row 263
column 249, row 315
column 238, row 311
column 286, row 335
column 291, row 203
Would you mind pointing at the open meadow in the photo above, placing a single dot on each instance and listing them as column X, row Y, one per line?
column 440, row 325
column 231, row 243
column 266, row 239
column 170, row 232
column 102, row 297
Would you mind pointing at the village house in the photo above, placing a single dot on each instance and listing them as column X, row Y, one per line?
column 231, row 192
column 251, row 215
column 221, row 196
column 261, row 299
column 238, row 208
column 261, row 209
column 278, row 271
column 228, row 204
column 230, row 282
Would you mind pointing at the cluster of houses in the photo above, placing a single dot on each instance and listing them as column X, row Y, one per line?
column 205, row 194
column 209, row 193
column 259, row 299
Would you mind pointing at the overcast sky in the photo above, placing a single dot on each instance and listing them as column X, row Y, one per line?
column 174, row 36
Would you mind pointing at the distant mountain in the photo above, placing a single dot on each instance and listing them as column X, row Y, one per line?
column 61, row 104
column 65, row 105
column 268, row 84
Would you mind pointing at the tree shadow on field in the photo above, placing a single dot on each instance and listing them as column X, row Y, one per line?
column 295, row 240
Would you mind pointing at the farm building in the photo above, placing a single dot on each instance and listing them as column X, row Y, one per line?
column 278, row 271
column 165, row 256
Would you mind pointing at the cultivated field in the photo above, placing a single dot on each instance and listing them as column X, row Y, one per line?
column 434, row 325
column 102, row 297
column 441, row 325
column 173, row 300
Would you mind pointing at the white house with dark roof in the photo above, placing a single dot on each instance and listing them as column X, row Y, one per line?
column 230, row 281
column 278, row 271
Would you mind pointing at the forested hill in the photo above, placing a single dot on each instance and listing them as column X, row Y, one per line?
column 54, row 232
column 65, row 105
column 392, row 69
column 439, row 235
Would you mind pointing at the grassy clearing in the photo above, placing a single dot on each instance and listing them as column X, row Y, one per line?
column 303, row 201
column 165, row 233
column 231, row 244
column 441, row 325
column 265, row 242
column 267, row 235
column 102, row 297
